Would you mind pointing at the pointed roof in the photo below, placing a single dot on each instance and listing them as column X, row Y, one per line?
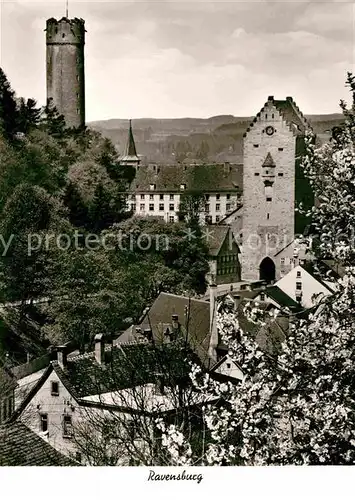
column 269, row 161
column 131, row 146
column 130, row 153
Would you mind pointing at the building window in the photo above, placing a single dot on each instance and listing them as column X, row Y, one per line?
column 298, row 285
column 133, row 207
column 265, row 116
column 161, row 197
column 152, row 187
column 207, row 208
column 280, row 149
column 228, row 365
column 171, row 207
column 67, row 426
column 55, row 388
column 161, row 206
column 272, row 116
column 207, row 197
column 217, row 218
column 256, row 145
column 218, row 207
column 77, row 111
column 151, row 207
column 171, row 218
column 151, row 197
column 228, row 196
column 182, row 187
column 256, row 174
column 282, row 261
column 268, row 216
column 142, row 196
column 268, row 198
column 228, row 207
column 298, row 274
column 43, row 422
column 133, row 197
column 171, row 197
column 208, row 219
column 218, row 196
column 280, row 174
column 142, row 207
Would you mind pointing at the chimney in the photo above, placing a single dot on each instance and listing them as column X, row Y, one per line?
column 212, row 351
column 62, row 356
column 270, row 98
column 99, row 349
column 148, row 334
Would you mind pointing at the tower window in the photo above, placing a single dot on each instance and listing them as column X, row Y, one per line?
column 272, row 116
column 280, row 149
column 280, row 174
column 265, row 116
column 63, row 35
column 256, row 174
column 256, row 145
column 268, row 198
column 268, row 216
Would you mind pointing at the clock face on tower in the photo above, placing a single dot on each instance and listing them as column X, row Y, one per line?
column 269, row 130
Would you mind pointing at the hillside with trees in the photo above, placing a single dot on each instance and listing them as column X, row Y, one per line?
column 62, row 196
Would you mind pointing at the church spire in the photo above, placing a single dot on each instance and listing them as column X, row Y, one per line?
column 131, row 146
column 130, row 156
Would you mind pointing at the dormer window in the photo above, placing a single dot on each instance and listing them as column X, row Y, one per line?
column 152, row 187
column 182, row 187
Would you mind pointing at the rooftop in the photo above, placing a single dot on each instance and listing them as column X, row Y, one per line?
column 197, row 178
column 20, row 446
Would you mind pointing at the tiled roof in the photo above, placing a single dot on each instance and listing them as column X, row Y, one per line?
column 279, row 296
column 21, row 446
column 290, row 112
column 198, row 178
column 193, row 316
column 124, row 367
column 216, row 237
column 269, row 336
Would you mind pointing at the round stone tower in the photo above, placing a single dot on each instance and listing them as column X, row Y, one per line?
column 65, row 40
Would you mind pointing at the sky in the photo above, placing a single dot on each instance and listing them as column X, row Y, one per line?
column 167, row 59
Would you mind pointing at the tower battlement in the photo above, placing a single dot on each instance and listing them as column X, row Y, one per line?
column 65, row 31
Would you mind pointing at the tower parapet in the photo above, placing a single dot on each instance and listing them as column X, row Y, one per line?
column 65, row 40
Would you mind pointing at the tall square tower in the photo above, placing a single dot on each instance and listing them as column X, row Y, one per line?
column 273, row 185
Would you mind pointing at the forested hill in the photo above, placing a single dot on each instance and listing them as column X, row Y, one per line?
column 218, row 138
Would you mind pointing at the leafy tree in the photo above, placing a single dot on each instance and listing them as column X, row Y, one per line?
column 28, row 214
column 8, row 108
column 28, row 115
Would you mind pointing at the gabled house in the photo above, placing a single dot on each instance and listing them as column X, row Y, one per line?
column 133, row 381
column 223, row 255
column 303, row 286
